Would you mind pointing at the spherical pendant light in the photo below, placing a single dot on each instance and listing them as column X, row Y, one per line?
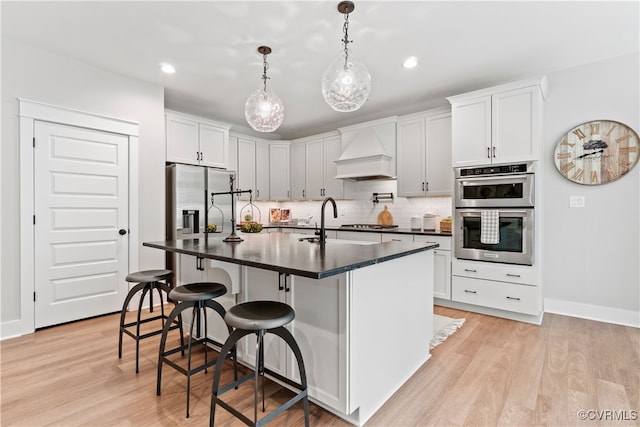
column 346, row 83
column 264, row 110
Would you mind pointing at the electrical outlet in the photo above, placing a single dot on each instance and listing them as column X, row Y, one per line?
column 576, row 201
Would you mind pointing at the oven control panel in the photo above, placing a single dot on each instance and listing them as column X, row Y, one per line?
column 495, row 170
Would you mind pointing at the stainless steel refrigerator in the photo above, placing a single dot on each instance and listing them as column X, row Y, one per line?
column 190, row 207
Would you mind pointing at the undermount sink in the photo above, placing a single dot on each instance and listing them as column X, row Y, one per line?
column 316, row 239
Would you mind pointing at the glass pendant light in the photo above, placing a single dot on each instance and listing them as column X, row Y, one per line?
column 264, row 110
column 346, row 83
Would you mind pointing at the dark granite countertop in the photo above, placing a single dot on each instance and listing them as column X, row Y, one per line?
column 283, row 252
column 365, row 230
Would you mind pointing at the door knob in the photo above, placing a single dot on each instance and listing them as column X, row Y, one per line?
column 122, row 232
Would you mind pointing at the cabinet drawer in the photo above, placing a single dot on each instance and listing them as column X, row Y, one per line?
column 443, row 241
column 500, row 295
column 493, row 271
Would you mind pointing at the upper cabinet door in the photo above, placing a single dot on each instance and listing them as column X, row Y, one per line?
column 298, row 168
column 246, row 179
column 439, row 173
column 214, row 144
column 515, row 124
column 471, row 132
column 262, row 171
column 279, row 177
column 182, row 140
column 314, row 175
column 332, row 149
column 411, row 157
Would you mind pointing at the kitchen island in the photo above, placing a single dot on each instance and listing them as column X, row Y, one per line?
column 364, row 312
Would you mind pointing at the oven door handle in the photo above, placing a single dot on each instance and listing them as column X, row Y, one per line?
column 482, row 180
column 501, row 211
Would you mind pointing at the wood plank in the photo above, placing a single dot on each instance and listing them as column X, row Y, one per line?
column 490, row 372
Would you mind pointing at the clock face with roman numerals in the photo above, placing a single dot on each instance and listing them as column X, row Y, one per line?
column 597, row 152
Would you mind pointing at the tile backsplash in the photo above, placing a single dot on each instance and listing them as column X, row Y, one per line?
column 359, row 208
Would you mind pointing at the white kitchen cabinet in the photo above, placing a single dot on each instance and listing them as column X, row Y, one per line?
column 502, row 124
column 192, row 140
column 298, row 169
column 390, row 237
column 246, row 174
column 320, row 168
column 319, row 325
column 424, row 154
column 253, row 168
column 359, row 236
column 441, row 264
column 279, row 171
column 502, row 286
column 262, row 171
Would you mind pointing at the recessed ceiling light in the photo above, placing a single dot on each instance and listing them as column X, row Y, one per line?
column 167, row 68
column 410, row 62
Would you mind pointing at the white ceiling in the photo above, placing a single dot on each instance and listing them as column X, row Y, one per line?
column 461, row 46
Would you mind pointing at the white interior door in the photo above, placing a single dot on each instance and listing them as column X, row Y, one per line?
column 81, row 207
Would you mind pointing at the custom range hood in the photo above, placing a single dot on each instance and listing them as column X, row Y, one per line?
column 369, row 153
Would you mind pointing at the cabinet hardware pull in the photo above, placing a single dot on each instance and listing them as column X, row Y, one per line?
column 199, row 264
column 513, row 275
column 396, row 240
column 472, row 292
column 423, row 186
column 286, row 277
column 488, row 153
column 470, row 270
column 257, row 193
column 494, row 152
column 303, row 193
column 513, row 298
column 280, row 287
column 287, row 194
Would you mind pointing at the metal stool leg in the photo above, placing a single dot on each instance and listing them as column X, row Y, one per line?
column 123, row 313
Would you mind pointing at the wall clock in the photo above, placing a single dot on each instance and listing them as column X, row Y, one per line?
column 597, row 152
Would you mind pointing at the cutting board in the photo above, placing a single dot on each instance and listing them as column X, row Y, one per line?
column 385, row 217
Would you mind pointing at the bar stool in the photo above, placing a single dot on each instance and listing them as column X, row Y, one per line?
column 198, row 297
column 259, row 317
column 147, row 281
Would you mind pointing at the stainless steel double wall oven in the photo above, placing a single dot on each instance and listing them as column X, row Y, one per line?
column 507, row 189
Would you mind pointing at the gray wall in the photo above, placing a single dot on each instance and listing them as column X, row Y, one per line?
column 591, row 256
column 41, row 76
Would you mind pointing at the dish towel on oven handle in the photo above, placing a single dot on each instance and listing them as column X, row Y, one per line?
column 489, row 227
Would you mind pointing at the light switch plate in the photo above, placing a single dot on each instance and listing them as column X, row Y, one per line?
column 576, row 201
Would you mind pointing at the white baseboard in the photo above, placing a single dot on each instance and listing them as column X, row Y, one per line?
column 593, row 312
column 10, row 329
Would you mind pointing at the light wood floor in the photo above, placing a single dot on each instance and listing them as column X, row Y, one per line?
column 491, row 372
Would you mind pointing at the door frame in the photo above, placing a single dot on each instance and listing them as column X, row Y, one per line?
column 29, row 112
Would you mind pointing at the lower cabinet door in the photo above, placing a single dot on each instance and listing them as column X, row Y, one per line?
column 442, row 274
column 259, row 284
column 320, row 330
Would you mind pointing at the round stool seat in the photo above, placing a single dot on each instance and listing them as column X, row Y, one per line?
column 259, row 315
column 198, row 291
column 148, row 276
